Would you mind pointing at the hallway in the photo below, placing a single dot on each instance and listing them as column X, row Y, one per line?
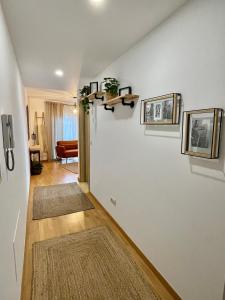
column 130, row 95
column 44, row 229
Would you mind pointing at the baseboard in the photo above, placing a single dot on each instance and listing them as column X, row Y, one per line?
column 163, row 281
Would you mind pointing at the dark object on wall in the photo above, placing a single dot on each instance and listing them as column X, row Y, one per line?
column 125, row 91
column 201, row 132
column 162, row 110
column 8, row 141
column 93, row 87
column 106, row 107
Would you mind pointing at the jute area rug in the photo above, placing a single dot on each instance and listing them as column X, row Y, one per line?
column 72, row 167
column 89, row 265
column 57, row 200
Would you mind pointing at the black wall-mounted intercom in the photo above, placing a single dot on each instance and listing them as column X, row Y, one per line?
column 8, row 141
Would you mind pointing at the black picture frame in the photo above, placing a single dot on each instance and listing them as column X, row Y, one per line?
column 125, row 91
column 93, row 87
column 207, row 123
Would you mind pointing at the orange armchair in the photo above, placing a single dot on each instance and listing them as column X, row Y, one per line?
column 67, row 149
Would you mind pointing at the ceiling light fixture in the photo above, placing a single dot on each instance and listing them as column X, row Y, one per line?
column 97, row 2
column 59, row 73
column 75, row 111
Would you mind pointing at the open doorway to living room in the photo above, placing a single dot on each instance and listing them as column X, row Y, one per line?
column 65, row 138
column 53, row 130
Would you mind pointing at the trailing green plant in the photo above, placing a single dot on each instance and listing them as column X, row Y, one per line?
column 111, row 86
column 84, row 92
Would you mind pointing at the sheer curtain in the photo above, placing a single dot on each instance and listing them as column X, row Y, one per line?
column 69, row 123
column 54, row 126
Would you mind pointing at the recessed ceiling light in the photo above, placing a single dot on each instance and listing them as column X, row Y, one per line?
column 59, row 73
column 96, row 2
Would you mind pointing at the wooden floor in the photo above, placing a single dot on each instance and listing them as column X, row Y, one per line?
column 39, row 230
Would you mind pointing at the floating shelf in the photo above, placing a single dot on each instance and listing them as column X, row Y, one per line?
column 95, row 96
column 127, row 100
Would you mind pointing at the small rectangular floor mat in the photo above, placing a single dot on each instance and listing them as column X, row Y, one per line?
column 90, row 265
column 57, row 200
column 72, row 167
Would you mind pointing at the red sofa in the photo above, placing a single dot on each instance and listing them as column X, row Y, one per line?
column 67, row 149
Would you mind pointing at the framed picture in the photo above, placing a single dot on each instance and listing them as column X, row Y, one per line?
column 125, row 91
column 163, row 110
column 201, row 132
column 93, row 87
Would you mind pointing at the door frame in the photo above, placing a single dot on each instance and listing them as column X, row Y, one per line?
column 84, row 146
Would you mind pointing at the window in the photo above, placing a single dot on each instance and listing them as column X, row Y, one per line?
column 69, row 124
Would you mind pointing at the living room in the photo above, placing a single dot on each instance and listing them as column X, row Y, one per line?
column 52, row 118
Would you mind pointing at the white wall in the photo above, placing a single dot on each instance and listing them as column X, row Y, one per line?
column 171, row 205
column 13, row 185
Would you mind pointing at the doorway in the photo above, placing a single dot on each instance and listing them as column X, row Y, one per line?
column 84, row 146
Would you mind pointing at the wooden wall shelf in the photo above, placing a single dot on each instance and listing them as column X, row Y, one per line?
column 127, row 100
column 94, row 96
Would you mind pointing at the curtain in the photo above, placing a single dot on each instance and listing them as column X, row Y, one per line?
column 44, row 134
column 53, row 126
column 69, row 123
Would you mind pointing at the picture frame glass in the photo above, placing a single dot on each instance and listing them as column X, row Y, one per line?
column 102, row 87
column 160, row 111
column 125, row 91
column 93, row 87
column 200, row 135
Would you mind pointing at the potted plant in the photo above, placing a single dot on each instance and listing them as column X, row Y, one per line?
column 84, row 92
column 111, row 87
column 36, row 167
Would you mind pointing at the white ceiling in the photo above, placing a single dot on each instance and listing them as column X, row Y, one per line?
column 77, row 37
